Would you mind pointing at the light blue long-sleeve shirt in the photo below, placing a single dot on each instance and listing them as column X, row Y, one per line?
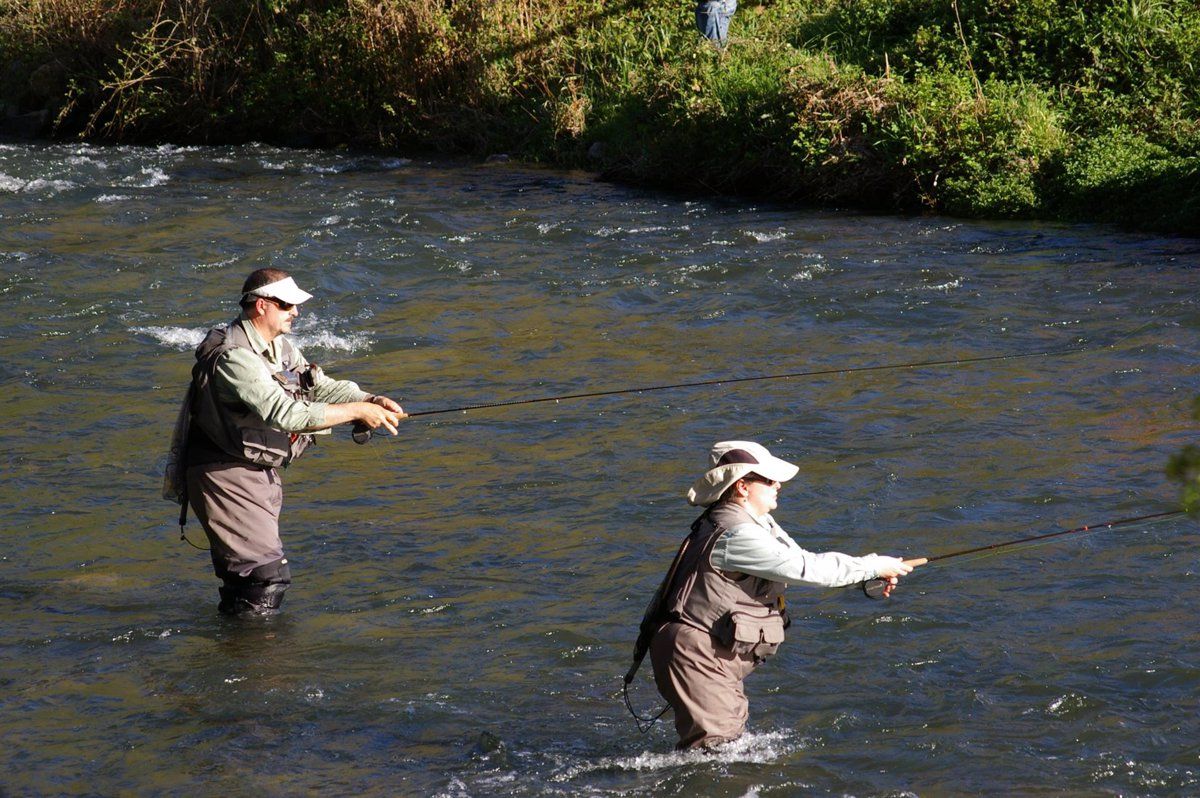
column 764, row 550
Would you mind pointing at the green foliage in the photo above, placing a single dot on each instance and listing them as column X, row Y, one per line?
column 1070, row 108
column 1116, row 175
column 975, row 150
column 1184, row 468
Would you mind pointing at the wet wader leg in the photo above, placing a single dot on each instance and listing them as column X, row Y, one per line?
column 238, row 506
column 703, row 685
column 259, row 593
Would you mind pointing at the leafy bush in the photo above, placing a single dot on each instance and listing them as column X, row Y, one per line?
column 1074, row 108
column 1184, row 468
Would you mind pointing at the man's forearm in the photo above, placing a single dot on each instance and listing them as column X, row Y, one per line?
column 341, row 414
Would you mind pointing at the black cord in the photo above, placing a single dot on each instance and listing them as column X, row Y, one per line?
column 183, row 536
column 644, row 724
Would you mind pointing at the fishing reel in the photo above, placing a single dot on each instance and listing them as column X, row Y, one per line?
column 874, row 589
column 361, row 433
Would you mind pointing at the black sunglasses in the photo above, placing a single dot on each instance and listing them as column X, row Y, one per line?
column 279, row 303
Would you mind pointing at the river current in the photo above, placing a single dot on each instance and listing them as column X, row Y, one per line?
column 467, row 594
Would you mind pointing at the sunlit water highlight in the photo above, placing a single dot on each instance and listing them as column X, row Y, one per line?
column 467, row 594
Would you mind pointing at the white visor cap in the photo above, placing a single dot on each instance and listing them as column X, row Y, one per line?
column 284, row 290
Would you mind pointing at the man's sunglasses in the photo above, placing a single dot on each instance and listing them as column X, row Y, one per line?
column 279, row 303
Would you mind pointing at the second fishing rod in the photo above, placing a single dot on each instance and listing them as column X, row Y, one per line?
column 877, row 588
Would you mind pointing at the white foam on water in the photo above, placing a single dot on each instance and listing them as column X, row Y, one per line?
column 149, row 177
column 659, row 229
column 83, row 159
column 185, row 338
column 945, row 287
column 179, row 338
column 760, row 749
column 809, row 272
column 457, row 788
column 325, row 339
column 1067, row 705
column 53, row 186
column 113, row 198
column 575, row 652
column 217, row 264
column 175, row 149
column 763, row 238
column 354, row 165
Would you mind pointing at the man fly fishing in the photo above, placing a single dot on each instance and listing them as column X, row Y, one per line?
column 252, row 408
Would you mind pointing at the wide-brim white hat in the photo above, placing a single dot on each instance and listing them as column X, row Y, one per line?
column 729, row 461
column 284, row 290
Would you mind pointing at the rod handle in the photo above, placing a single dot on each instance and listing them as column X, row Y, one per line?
column 873, row 588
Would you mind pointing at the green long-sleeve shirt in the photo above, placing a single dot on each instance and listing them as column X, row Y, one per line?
column 241, row 375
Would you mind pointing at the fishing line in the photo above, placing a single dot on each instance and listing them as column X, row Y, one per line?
column 362, row 434
column 873, row 588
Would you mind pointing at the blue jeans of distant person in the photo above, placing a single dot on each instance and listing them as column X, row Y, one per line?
column 712, row 18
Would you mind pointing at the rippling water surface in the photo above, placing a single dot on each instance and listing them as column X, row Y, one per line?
column 467, row 594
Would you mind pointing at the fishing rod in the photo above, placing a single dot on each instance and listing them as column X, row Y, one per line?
column 874, row 588
column 362, row 433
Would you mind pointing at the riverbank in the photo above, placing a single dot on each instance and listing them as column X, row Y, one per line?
column 990, row 109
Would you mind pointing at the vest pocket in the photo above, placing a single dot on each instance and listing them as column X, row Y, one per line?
column 266, row 447
column 747, row 632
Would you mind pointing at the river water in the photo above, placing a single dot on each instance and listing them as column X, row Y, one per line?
column 467, row 594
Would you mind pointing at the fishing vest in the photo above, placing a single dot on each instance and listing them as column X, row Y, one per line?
column 231, row 426
column 745, row 614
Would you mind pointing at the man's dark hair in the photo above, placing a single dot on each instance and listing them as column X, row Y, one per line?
column 258, row 279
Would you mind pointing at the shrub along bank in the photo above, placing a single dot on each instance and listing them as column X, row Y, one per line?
column 1074, row 109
